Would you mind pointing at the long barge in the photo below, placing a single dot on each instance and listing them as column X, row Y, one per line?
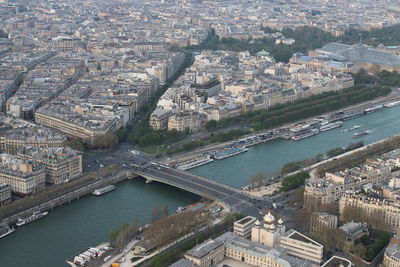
column 305, row 135
column 103, row 190
column 230, row 152
column 392, row 104
column 194, row 163
column 5, row 230
column 35, row 216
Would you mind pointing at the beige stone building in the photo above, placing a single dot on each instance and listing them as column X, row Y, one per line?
column 62, row 164
column 327, row 191
column 207, row 254
column 391, row 257
column 159, row 119
column 87, row 120
column 270, row 246
column 273, row 234
column 25, row 177
column 321, row 221
column 381, row 213
column 242, row 227
column 187, row 120
column 15, row 133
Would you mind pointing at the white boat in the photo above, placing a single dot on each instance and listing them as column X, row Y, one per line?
column 35, row 216
column 330, row 126
column 351, row 129
column 392, row 104
column 103, row 190
column 194, row 163
column 230, row 152
column 305, row 135
column 5, row 230
column 373, row 109
column 79, row 261
column 359, row 134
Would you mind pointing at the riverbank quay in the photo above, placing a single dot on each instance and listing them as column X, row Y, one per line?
column 182, row 157
column 66, row 197
column 345, row 160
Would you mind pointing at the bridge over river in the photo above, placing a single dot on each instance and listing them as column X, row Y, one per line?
column 235, row 199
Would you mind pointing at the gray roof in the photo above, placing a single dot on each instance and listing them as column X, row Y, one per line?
column 183, row 263
column 204, row 248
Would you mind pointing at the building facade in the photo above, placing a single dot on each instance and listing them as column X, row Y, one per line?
column 321, row 221
column 5, row 194
column 382, row 213
column 62, row 164
column 25, row 177
column 391, row 257
column 242, row 227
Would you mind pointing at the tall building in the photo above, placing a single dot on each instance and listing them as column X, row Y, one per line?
column 242, row 227
column 381, row 213
column 25, row 177
column 321, row 221
column 273, row 234
column 328, row 191
column 62, row 163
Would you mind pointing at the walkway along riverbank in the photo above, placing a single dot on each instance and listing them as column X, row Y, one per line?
column 69, row 196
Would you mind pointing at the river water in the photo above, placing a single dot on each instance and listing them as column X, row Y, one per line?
column 86, row 222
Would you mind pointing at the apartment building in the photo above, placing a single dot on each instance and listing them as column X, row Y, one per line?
column 25, row 177
column 62, row 164
column 381, row 213
column 328, row 191
column 391, row 257
column 15, row 134
column 81, row 119
column 322, row 221
column 187, row 120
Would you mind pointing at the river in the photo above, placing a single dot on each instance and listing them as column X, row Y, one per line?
column 86, row 222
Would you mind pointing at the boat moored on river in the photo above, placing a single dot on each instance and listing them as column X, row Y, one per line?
column 5, row 230
column 194, row 163
column 373, row 109
column 230, row 152
column 35, row 216
column 392, row 104
column 103, row 190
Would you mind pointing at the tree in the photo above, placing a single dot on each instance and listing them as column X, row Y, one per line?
column 122, row 134
column 211, row 125
column 76, row 143
column 105, row 141
column 294, row 181
column 156, row 214
column 120, row 237
column 290, row 167
column 166, row 210
column 258, row 178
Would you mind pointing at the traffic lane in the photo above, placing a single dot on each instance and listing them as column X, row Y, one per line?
column 184, row 183
column 239, row 196
column 188, row 179
column 233, row 198
column 203, row 181
column 178, row 180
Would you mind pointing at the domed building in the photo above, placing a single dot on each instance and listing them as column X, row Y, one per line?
column 269, row 232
